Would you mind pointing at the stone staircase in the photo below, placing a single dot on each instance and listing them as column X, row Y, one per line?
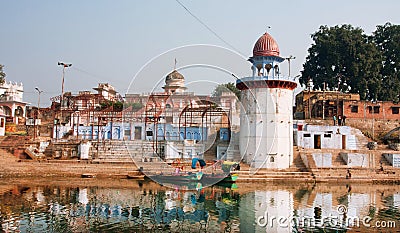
column 16, row 144
column 297, row 172
column 337, row 160
column 298, row 164
column 307, row 159
column 233, row 149
column 361, row 139
column 274, row 175
column 339, row 169
column 6, row 156
column 352, row 144
column 384, row 161
column 123, row 151
column 211, row 152
column 387, row 167
column 11, row 142
column 211, row 143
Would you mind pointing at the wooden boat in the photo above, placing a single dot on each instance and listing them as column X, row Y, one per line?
column 88, row 175
column 220, row 172
column 219, row 178
column 177, row 178
column 135, row 177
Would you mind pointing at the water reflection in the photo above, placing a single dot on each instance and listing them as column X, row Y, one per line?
column 93, row 209
column 149, row 207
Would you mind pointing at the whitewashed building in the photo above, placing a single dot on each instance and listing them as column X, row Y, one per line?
column 266, row 119
column 11, row 100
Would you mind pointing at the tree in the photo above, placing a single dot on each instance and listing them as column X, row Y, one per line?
column 387, row 40
column 345, row 59
column 137, row 106
column 2, row 75
column 227, row 87
column 118, row 106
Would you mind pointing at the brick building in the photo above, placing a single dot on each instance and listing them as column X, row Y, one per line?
column 383, row 110
column 326, row 104
column 322, row 104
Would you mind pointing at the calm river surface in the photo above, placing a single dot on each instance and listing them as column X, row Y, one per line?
column 143, row 206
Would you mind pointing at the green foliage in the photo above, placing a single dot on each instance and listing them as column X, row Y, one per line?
column 346, row 59
column 227, row 87
column 104, row 105
column 117, row 106
column 2, row 75
column 387, row 40
column 135, row 106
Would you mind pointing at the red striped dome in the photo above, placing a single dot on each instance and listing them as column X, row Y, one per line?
column 266, row 46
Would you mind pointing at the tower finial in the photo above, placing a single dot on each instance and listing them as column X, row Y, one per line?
column 268, row 27
column 175, row 64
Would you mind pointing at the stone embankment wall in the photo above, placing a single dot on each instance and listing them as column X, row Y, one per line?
column 380, row 127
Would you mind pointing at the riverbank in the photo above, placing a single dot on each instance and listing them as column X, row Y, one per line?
column 13, row 168
column 23, row 168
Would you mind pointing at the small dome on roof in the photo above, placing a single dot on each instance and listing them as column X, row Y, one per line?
column 174, row 82
column 174, row 75
column 266, row 46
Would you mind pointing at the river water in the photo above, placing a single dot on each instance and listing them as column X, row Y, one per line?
column 144, row 206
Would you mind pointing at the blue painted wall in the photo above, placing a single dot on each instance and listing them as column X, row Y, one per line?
column 115, row 131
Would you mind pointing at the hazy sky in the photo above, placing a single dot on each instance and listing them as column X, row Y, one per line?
column 110, row 41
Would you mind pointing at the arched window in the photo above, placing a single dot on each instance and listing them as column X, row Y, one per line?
column 272, row 159
column 7, row 110
column 19, row 111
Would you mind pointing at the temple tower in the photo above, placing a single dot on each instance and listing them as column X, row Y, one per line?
column 266, row 117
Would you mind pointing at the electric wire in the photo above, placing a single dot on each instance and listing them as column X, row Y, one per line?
column 208, row 28
column 89, row 74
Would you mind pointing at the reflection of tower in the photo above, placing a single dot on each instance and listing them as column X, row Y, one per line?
column 174, row 83
column 271, row 210
column 266, row 121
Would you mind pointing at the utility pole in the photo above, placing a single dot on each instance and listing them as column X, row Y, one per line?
column 323, row 104
column 373, row 119
column 289, row 59
column 38, row 112
column 309, row 84
column 64, row 65
column 337, row 96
